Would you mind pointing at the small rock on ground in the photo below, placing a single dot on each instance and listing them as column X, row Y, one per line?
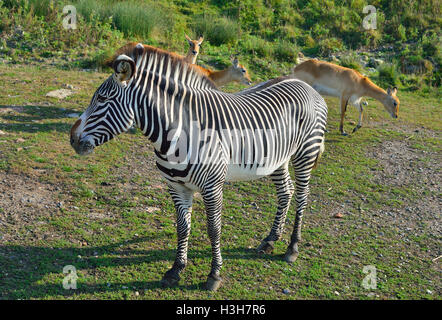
column 60, row 93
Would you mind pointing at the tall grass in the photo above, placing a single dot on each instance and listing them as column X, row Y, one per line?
column 133, row 18
column 286, row 51
column 218, row 30
column 388, row 74
column 258, row 46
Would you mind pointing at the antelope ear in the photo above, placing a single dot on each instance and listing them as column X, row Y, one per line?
column 188, row 39
column 124, row 67
column 234, row 61
column 392, row 92
column 200, row 40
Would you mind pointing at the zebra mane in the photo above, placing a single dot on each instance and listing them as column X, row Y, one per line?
column 192, row 74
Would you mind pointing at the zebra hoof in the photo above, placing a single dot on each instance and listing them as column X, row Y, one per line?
column 265, row 247
column 169, row 281
column 291, row 256
column 212, row 283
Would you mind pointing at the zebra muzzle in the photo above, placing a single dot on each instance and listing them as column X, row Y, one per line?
column 82, row 147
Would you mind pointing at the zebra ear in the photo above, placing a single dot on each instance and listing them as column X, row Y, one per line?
column 138, row 51
column 124, row 67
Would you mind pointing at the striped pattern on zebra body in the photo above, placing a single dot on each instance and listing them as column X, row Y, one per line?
column 204, row 137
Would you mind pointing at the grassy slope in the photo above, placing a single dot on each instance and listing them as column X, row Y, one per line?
column 115, row 221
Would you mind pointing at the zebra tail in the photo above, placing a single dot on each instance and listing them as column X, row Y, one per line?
column 321, row 150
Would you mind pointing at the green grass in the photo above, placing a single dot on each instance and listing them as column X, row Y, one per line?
column 116, row 221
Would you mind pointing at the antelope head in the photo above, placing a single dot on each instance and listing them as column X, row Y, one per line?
column 194, row 48
column 238, row 72
column 391, row 102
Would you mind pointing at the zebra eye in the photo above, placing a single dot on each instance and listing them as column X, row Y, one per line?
column 101, row 98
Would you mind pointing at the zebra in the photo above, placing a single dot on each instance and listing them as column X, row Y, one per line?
column 225, row 137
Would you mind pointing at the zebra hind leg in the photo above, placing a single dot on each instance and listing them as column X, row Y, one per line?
column 284, row 187
column 183, row 205
column 213, row 197
column 302, row 179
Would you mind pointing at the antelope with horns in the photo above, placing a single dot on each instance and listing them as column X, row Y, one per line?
column 347, row 84
column 194, row 49
column 235, row 73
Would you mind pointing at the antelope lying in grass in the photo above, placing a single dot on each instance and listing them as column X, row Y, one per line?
column 194, row 49
column 235, row 73
column 347, row 84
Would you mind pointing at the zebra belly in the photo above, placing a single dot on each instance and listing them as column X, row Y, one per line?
column 238, row 173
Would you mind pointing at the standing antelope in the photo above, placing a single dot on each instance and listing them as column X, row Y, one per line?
column 349, row 85
column 204, row 137
column 194, row 49
column 235, row 73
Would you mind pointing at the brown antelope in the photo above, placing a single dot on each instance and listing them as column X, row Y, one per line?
column 194, row 49
column 347, row 84
column 235, row 73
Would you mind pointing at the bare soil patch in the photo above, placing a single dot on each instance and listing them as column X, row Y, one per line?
column 420, row 170
column 24, row 201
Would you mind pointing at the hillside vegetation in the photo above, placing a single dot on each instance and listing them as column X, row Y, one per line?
column 267, row 35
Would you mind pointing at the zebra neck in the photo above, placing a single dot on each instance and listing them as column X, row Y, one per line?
column 161, row 111
column 164, row 88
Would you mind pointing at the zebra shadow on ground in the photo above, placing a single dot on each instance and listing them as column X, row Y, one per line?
column 26, row 270
column 34, row 118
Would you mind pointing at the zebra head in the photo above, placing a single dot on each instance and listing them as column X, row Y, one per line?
column 109, row 113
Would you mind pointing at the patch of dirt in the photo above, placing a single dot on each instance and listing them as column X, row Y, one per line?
column 418, row 170
column 405, row 128
column 24, row 201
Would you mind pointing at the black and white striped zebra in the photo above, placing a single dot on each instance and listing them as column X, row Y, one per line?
column 204, row 137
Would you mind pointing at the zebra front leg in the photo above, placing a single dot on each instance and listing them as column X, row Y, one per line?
column 284, row 188
column 213, row 201
column 182, row 199
column 302, row 177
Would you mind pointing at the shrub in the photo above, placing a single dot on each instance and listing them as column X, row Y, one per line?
column 351, row 61
column 388, row 75
column 401, row 33
column 258, row 46
column 217, row 30
column 286, row 51
column 435, row 79
column 431, row 45
column 330, row 45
